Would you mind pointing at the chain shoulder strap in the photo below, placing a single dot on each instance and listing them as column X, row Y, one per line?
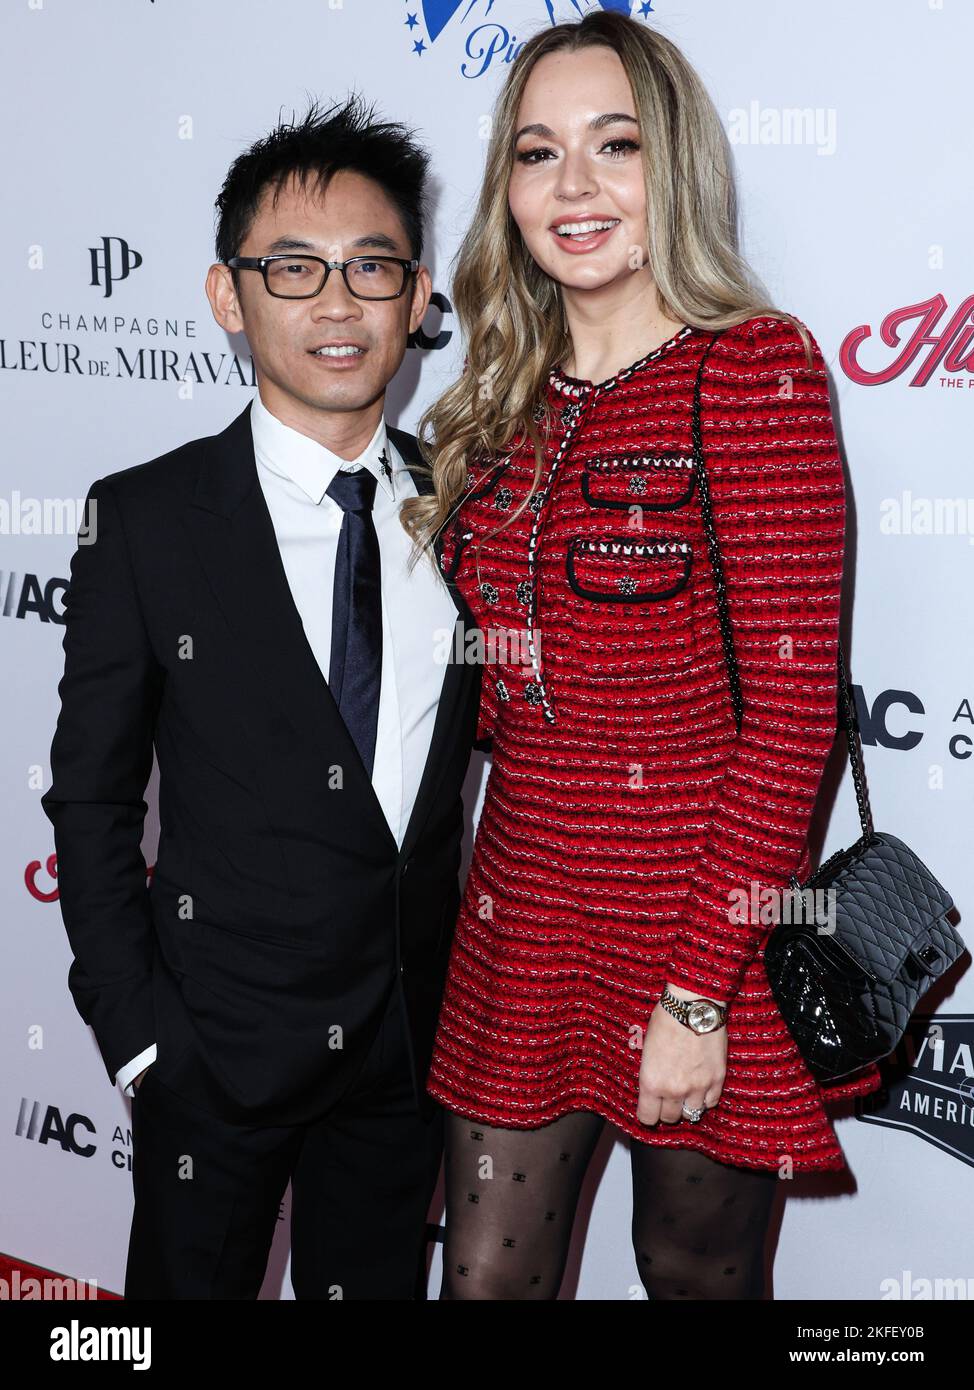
column 846, row 711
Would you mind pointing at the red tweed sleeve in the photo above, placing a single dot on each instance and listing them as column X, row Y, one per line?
column 487, row 713
column 778, row 500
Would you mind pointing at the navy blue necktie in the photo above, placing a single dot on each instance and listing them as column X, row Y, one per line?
column 355, row 673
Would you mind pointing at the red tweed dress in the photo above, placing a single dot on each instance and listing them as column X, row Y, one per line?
column 622, row 809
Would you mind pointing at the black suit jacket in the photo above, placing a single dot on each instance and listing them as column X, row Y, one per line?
column 281, row 911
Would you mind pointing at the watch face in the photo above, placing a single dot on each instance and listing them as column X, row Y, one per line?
column 702, row 1017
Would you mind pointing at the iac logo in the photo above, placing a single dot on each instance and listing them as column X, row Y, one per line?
column 72, row 1134
column 45, row 1125
column 23, row 596
column 874, row 721
column 880, row 722
column 929, row 1084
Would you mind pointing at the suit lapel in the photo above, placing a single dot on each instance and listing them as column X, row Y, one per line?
column 234, row 537
column 419, row 472
column 456, row 677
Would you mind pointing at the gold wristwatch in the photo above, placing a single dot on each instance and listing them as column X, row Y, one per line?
column 699, row 1015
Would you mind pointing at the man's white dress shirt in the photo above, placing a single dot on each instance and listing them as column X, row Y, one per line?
column 294, row 473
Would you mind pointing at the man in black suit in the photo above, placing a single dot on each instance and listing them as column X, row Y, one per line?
column 246, row 607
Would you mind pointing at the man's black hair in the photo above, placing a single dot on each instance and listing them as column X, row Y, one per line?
column 314, row 148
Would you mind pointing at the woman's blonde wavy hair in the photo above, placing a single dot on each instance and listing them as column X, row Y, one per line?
column 510, row 311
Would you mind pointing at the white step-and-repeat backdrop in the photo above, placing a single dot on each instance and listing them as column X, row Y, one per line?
column 852, row 135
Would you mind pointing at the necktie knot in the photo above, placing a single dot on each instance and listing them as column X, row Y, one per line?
column 354, row 492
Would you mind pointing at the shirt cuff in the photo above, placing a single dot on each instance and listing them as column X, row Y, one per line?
column 125, row 1075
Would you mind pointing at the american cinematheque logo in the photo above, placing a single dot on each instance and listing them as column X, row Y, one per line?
column 929, row 1084
column 483, row 33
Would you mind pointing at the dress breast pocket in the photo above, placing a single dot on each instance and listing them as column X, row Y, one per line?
column 619, row 569
column 454, row 538
column 657, row 482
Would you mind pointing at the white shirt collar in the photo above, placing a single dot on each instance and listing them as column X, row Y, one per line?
column 309, row 464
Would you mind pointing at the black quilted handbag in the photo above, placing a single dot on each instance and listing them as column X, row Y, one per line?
column 846, row 982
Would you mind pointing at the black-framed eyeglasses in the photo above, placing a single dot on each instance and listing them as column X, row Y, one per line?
column 302, row 277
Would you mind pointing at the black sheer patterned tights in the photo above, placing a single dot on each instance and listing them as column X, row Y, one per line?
column 698, row 1226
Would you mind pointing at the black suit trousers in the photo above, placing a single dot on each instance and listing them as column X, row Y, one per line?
column 208, row 1192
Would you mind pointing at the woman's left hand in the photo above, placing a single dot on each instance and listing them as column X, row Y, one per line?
column 679, row 1066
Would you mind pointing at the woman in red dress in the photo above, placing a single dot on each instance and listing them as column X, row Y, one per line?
column 624, row 820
